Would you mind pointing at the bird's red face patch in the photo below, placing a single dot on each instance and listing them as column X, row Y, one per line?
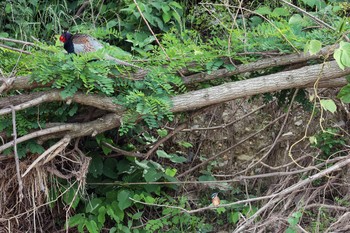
column 63, row 39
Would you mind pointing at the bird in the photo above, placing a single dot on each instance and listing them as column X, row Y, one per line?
column 215, row 199
column 83, row 43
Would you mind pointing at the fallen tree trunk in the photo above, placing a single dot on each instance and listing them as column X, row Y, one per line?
column 268, row 83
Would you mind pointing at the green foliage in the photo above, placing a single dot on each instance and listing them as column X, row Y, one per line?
column 149, row 99
column 314, row 46
column 344, row 94
column 320, row 220
column 176, row 221
column 147, row 102
column 328, row 105
column 342, row 55
column 111, row 203
column 293, row 221
column 329, row 142
column 160, row 14
column 74, row 72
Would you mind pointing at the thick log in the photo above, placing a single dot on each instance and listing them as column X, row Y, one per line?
column 263, row 84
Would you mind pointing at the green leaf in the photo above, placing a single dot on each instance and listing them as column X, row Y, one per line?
column 177, row 159
column 112, row 195
column 76, row 220
column 96, row 166
column 293, row 221
column 111, row 24
column 297, row 214
column 234, row 217
column 171, row 171
column 263, row 10
column 92, row 206
column 152, row 175
column 142, row 164
column 92, row 226
column 342, row 55
column 221, row 210
column 114, row 212
column 123, row 199
column 102, row 215
column 109, row 168
column 166, row 17
column 310, row 3
column 329, row 105
column 296, row 20
column 73, row 110
column 230, row 67
column 150, row 200
column 71, row 197
column 8, row 8
column 162, row 132
column 176, row 5
column 314, row 46
column 206, row 178
column 137, row 215
column 35, row 148
column 185, row 144
column 313, row 140
column 344, row 94
column 290, row 230
column 279, row 11
column 101, row 138
column 163, row 154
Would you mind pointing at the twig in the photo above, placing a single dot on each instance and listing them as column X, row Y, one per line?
column 343, row 218
column 81, row 9
column 6, row 82
column 34, row 99
column 318, row 205
column 17, row 41
column 54, row 150
column 59, row 174
column 309, row 15
column 37, row 207
column 162, row 140
column 91, row 128
column 292, row 188
column 15, row 49
column 14, row 134
column 223, row 125
column 123, row 152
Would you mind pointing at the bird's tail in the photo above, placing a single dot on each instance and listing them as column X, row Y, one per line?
column 120, row 62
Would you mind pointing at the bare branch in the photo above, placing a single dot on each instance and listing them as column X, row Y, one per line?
column 17, row 41
column 317, row 20
column 292, row 188
column 73, row 130
column 34, row 99
column 14, row 134
column 15, row 49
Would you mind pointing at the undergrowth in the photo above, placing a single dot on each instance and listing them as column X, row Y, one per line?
column 119, row 194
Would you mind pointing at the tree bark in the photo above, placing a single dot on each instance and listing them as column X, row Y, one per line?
column 268, row 83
